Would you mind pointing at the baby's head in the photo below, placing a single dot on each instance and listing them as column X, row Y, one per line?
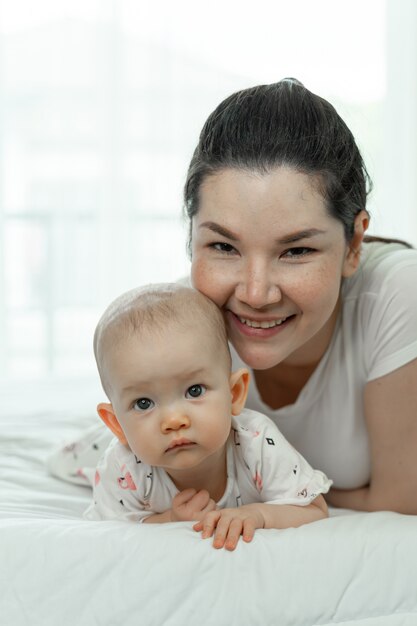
column 165, row 366
column 154, row 312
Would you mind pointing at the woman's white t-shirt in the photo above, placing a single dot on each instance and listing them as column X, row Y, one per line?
column 376, row 333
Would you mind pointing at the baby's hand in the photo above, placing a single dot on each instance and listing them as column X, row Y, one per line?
column 229, row 524
column 191, row 505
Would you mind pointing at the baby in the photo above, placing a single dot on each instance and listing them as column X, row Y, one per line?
column 185, row 447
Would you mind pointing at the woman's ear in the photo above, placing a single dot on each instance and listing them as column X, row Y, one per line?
column 351, row 262
column 107, row 414
column 239, row 385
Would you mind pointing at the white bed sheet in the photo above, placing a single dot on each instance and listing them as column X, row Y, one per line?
column 57, row 569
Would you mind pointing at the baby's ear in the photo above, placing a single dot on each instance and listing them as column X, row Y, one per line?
column 239, row 385
column 107, row 414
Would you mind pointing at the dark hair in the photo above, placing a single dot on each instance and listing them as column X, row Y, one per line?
column 267, row 126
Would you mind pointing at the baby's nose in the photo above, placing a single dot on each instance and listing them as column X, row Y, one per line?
column 174, row 420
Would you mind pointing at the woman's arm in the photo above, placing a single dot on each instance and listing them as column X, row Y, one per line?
column 390, row 405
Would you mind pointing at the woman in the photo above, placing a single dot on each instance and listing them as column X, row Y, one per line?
column 327, row 319
column 276, row 198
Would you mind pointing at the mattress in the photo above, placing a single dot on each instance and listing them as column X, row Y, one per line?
column 58, row 569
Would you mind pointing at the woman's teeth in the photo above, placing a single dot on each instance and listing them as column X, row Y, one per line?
column 254, row 324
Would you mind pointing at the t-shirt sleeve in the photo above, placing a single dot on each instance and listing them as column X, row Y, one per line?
column 391, row 319
column 280, row 474
column 118, row 489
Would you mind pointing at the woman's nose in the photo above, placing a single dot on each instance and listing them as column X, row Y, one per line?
column 174, row 419
column 258, row 288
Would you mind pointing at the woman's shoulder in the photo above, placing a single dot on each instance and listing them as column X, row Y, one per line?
column 379, row 316
column 381, row 263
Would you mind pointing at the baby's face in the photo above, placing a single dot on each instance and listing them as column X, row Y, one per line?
column 171, row 394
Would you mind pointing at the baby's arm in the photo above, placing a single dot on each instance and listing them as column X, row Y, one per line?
column 188, row 505
column 227, row 525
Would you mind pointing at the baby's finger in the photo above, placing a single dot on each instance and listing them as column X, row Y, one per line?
column 222, row 530
column 249, row 528
column 200, row 500
column 183, row 497
column 211, row 506
column 209, row 523
column 234, row 532
column 199, row 516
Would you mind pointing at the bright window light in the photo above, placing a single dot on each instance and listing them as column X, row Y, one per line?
column 101, row 104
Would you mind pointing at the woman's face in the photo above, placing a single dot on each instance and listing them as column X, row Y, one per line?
column 267, row 252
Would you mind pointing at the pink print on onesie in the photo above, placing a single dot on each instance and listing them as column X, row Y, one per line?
column 126, row 481
column 257, row 479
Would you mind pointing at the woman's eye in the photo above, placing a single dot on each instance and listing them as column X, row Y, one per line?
column 296, row 253
column 221, row 246
column 195, row 391
column 143, row 404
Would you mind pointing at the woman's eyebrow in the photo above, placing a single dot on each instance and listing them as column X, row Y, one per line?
column 302, row 234
column 220, row 230
column 290, row 238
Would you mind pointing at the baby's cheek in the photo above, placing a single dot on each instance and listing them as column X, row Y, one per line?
column 220, row 431
column 133, row 443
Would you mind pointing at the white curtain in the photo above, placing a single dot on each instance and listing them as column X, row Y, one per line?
column 101, row 103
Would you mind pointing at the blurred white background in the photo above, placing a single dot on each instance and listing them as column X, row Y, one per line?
column 101, row 104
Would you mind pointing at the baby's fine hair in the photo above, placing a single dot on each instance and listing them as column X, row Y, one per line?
column 149, row 309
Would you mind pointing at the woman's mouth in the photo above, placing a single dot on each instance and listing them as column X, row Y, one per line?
column 263, row 324
column 259, row 328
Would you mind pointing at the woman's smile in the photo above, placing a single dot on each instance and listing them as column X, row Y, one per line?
column 260, row 328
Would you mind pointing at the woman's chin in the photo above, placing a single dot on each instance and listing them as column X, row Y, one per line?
column 258, row 357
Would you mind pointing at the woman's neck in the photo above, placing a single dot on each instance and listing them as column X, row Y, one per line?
column 281, row 384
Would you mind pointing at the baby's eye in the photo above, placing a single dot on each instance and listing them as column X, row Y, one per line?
column 143, row 404
column 195, row 391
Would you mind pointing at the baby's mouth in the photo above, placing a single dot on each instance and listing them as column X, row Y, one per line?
column 182, row 442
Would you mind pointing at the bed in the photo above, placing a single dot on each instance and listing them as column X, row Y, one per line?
column 57, row 569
